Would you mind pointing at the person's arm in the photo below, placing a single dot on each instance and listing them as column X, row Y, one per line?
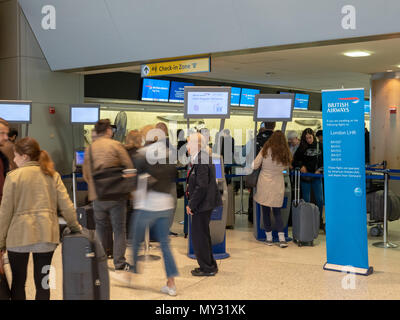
column 124, row 157
column 6, row 211
column 258, row 161
column 298, row 161
column 64, row 204
column 197, row 196
column 86, row 172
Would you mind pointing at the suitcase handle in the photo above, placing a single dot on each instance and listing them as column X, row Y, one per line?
column 297, row 178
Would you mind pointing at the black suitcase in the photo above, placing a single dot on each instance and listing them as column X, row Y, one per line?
column 86, row 219
column 85, row 270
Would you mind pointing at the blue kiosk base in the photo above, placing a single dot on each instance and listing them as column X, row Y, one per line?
column 260, row 233
column 219, row 249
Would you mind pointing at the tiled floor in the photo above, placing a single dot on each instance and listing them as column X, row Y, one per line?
column 256, row 271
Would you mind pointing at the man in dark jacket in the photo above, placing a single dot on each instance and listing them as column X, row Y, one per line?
column 203, row 197
column 265, row 132
column 4, row 163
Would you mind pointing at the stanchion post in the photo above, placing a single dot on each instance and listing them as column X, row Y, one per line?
column 385, row 243
column 147, row 256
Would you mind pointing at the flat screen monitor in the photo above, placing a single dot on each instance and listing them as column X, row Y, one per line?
column 235, row 96
column 367, row 107
column 301, row 101
column 247, row 98
column 218, row 168
column 177, row 91
column 155, row 90
column 207, row 102
column 79, row 157
column 274, row 107
column 16, row 111
column 84, row 113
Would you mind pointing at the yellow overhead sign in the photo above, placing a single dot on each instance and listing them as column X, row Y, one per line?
column 176, row 67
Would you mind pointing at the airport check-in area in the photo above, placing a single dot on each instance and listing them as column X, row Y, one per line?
column 226, row 89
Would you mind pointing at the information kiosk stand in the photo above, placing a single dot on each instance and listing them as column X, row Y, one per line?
column 211, row 103
column 81, row 114
column 271, row 108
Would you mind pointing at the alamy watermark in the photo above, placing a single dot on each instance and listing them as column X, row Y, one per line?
column 49, row 19
column 349, row 280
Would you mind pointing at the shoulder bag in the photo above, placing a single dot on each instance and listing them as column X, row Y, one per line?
column 109, row 183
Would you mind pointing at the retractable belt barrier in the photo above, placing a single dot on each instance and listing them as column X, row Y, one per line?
column 314, row 175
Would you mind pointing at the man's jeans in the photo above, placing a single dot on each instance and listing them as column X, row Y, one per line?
column 158, row 222
column 116, row 212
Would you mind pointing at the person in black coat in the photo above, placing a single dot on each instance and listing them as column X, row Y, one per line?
column 203, row 197
column 309, row 159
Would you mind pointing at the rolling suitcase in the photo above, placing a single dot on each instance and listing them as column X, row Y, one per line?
column 85, row 270
column 305, row 218
column 86, row 219
column 375, row 206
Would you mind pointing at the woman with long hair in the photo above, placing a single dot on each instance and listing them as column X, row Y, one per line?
column 309, row 158
column 273, row 158
column 28, row 216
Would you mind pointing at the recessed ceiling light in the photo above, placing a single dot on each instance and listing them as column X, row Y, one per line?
column 357, row 54
column 389, row 70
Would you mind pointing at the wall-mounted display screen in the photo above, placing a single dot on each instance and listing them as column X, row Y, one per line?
column 248, row 97
column 207, row 102
column 367, row 107
column 155, row 90
column 84, row 113
column 177, row 91
column 235, row 96
column 274, row 107
column 16, row 111
column 301, row 101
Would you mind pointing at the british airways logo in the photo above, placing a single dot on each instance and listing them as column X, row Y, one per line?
column 351, row 99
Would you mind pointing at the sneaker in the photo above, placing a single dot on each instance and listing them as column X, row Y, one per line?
column 268, row 242
column 169, row 291
column 123, row 278
column 283, row 244
column 125, row 267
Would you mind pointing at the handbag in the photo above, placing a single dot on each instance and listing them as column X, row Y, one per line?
column 5, row 292
column 109, row 183
column 251, row 179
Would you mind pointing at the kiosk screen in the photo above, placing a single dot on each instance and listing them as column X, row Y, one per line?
column 15, row 111
column 218, row 168
column 79, row 157
column 85, row 114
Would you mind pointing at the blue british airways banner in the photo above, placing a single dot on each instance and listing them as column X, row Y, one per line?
column 344, row 180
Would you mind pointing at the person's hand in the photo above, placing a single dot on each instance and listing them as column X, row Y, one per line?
column 318, row 172
column 188, row 211
column 129, row 175
column 303, row 169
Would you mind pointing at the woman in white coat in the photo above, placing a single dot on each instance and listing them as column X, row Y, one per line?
column 274, row 158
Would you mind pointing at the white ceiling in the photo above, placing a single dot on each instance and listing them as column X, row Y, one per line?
column 312, row 68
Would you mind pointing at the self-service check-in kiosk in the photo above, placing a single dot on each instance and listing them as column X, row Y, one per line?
column 272, row 108
column 211, row 103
